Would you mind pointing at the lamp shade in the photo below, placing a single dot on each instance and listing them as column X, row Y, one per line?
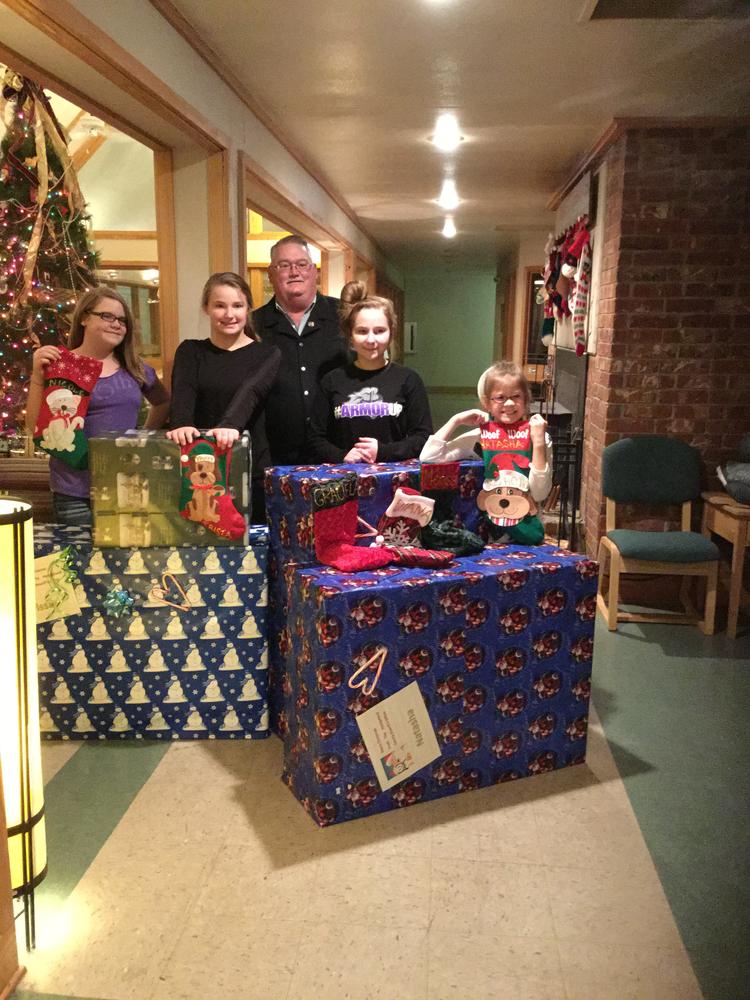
column 20, row 748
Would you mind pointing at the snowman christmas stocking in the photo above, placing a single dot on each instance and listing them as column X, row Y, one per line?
column 204, row 494
column 68, row 383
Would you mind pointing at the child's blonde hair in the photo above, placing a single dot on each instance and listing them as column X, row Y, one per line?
column 502, row 369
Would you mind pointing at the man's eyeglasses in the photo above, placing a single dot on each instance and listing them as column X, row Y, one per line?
column 285, row 266
column 109, row 317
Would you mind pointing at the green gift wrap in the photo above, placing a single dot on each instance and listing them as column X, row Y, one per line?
column 136, row 486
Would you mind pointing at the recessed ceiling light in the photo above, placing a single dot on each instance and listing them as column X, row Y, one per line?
column 449, row 229
column 447, row 135
column 448, row 195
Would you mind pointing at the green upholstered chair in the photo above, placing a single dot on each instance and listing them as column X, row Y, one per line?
column 651, row 469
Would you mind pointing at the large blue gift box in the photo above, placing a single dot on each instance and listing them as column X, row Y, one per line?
column 188, row 661
column 500, row 645
column 289, row 502
column 289, row 508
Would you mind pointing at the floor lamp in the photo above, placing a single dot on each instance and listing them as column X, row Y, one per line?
column 20, row 747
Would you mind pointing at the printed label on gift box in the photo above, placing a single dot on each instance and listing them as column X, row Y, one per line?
column 55, row 588
column 399, row 736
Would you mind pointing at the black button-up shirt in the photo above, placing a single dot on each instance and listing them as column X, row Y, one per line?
column 305, row 358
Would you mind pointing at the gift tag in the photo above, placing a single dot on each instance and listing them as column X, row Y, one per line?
column 399, row 736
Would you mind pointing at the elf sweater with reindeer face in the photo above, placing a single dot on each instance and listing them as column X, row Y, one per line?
column 505, row 497
column 464, row 447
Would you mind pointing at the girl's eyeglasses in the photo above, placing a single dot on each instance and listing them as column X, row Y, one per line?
column 109, row 317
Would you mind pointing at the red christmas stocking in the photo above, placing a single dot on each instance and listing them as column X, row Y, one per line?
column 335, row 526
column 65, row 402
column 204, row 495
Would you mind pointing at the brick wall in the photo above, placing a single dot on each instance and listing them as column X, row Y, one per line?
column 673, row 327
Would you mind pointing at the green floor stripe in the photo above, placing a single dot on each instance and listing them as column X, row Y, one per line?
column 676, row 704
column 85, row 801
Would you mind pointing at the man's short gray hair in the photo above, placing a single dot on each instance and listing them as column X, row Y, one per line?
column 292, row 238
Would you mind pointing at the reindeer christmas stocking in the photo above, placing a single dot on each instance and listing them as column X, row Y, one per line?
column 204, row 495
column 68, row 383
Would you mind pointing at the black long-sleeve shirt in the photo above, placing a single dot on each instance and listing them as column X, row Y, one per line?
column 389, row 404
column 212, row 387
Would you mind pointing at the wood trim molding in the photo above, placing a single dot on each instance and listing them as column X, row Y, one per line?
column 273, row 235
column 219, row 230
column 284, row 200
column 167, row 249
column 184, row 28
column 124, row 234
column 526, row 316
column 619, row 126
column 590, row 158
column 61, row 21
column 82, row 154
column 28, row 68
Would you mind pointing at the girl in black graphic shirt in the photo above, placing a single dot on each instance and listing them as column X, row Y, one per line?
column 372, row 409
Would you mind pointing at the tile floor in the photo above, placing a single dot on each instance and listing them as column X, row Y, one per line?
column 207, row 880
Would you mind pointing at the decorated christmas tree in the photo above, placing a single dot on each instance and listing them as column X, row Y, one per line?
column 46, row 259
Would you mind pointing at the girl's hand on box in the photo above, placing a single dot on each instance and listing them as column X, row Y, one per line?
column 368, row 449
column 183, row 435
column 225, row 437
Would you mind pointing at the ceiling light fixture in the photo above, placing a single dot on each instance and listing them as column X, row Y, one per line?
column 447, row 135
column 448, row 195
column 449, row 229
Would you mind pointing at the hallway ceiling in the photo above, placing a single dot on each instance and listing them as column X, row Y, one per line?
column 356, row 88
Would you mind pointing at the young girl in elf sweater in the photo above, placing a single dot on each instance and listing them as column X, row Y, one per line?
column 102, row 341
column 516, row 449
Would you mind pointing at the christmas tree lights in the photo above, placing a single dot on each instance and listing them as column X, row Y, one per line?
column 46, row 259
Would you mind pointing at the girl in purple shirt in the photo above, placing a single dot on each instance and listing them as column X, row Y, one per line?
column 102, row 328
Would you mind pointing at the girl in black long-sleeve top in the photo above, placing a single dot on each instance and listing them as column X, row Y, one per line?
column 370, row 410
column 221, row 384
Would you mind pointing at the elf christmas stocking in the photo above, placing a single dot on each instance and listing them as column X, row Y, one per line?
column 505, row 497
column 68, row 383
column 204, row 496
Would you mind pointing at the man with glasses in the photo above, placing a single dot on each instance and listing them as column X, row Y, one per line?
column 304, row 325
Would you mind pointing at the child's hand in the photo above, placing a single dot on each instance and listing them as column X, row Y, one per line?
column 183, row 435
column 368, row 448
column 538, row 429
column 473, row 418
column 224, row 437
column 44, row 356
